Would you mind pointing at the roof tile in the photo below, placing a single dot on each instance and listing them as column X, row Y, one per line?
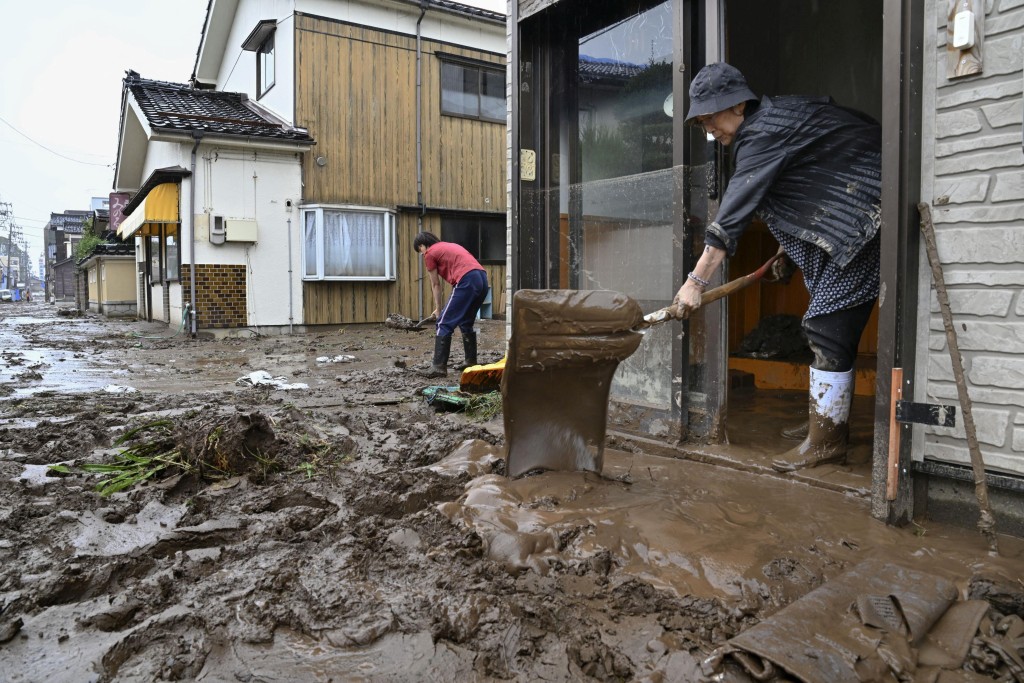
column 180, row 107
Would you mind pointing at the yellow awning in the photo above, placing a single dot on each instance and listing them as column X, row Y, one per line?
column 159, row 206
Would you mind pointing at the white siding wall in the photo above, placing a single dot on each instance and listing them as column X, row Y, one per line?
column 401, row 18
column 973, row 175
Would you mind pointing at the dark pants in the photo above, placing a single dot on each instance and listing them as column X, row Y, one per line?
column 466, row 299
column 834, row 337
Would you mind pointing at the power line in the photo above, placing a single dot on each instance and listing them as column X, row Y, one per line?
column 51, row 151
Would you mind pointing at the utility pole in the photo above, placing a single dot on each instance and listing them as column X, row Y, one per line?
column 7, row 216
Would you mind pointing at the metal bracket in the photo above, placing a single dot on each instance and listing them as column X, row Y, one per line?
column 934, row 414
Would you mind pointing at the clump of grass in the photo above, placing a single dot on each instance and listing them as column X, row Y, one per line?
column 484, row 406
column 209, row 448
column 141, row 461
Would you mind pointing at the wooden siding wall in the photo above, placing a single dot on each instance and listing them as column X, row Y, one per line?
column 356, row 93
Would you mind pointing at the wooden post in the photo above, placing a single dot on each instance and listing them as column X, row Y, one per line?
column 987, row 522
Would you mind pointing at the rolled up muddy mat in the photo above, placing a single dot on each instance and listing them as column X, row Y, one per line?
column 860, row 626
column 563, row 352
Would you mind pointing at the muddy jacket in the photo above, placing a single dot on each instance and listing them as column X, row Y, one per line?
column 810, row 169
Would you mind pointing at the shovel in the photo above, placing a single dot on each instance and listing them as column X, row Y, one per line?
column 429, row 319
column 564, row 350
column 668, row 313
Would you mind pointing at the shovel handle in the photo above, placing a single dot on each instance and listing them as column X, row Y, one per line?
column 668, row 313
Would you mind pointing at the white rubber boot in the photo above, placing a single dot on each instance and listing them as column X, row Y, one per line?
column 828, row 428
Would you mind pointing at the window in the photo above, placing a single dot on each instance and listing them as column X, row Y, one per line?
column 154, row 259
column 265, row 66
column 483, row 237
column 348, row 243
column 472, row 91
column 171, row 258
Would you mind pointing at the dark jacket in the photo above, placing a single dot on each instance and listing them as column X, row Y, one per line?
column 809, row 168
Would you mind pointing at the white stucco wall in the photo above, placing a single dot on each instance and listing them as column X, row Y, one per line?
column 972, row 176
column 256, row 185
column 240, row 183
column 238, row 67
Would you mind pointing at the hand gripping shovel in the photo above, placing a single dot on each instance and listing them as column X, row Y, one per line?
column 564, row 349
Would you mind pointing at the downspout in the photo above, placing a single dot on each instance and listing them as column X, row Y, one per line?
column 419, row 145
column 197, row 135
column 290, row 301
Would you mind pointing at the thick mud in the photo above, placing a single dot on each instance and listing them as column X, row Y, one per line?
column 349, row 531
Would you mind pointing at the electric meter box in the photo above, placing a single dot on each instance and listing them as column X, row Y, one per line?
column 240, row 230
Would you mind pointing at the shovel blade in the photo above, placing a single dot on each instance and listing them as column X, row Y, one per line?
column 564, row 350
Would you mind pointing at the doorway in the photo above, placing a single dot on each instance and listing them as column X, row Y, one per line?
column 614, row 192
column 795, row 47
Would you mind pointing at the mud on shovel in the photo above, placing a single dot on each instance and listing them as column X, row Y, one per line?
column 564, row 350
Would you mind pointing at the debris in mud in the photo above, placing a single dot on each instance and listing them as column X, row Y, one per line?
column 397, row 321
column 341, row 358
column 69, row 313
column 119, row 389
column 209, row 447
column 778, row 337
column 262, row 378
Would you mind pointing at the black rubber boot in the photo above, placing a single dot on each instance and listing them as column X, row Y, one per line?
column 442, row 349
column 469, row 346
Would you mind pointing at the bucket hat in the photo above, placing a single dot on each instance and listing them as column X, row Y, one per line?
column 715, row 88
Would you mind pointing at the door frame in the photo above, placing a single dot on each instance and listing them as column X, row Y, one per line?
column 902, row 45
column 902, row 85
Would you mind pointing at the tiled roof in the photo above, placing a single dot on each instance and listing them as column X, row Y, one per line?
column 598, row 69
column 179, row 107
column 467, row 9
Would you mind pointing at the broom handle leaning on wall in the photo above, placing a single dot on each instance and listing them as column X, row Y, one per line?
column 987, row 522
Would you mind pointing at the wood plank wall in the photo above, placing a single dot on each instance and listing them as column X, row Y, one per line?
column 356, row 93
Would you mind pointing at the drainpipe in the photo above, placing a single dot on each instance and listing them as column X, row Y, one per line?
column 290, row 306
column 419, row 144
column 197, row 135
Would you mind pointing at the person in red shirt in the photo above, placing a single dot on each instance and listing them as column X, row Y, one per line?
column 456, row 266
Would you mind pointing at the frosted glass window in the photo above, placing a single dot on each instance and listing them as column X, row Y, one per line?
column 343, row 243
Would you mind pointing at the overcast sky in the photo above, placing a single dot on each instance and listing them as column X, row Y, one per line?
column 61, row 65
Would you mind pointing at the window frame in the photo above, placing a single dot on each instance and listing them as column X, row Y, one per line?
column 389, row 226
column 478, row 219
column 154, row 258
column 261, row 51
column 480, row 67
column 168, row 275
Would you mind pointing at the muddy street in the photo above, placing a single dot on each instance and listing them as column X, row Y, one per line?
column 160, row 520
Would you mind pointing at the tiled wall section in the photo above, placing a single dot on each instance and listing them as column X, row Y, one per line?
column 220, row 294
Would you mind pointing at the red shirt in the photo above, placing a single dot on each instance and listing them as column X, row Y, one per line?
column 450, row 260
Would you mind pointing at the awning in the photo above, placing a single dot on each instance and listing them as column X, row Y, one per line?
column 160, row 206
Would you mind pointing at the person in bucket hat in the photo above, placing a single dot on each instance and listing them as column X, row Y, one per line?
column 811, row 170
